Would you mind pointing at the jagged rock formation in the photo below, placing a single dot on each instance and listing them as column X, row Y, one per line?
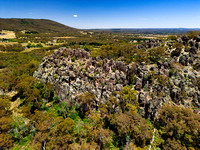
column 151, row 43
column 74, row 72
column 175, row 80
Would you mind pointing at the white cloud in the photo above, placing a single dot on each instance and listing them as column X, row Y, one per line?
column 75, row 16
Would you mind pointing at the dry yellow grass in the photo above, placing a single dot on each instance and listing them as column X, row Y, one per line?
column 25, row 44
column 28, row 50
column 153, row 36
column 44, row 45
column 64, row 37
column 7, row 34
column 8, row 43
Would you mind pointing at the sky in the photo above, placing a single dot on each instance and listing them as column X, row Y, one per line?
column 90, row 14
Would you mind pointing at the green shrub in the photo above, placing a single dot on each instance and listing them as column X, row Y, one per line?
column 56, row 76
column 73, row 59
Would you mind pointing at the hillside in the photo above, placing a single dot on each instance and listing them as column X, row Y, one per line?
column 35, row 25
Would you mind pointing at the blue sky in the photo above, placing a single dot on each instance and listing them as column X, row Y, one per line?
column 108, row 13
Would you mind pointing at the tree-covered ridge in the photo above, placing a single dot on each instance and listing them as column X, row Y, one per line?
column 35, row 26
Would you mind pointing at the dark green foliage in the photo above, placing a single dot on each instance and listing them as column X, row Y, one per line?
column 33, row 45
column 176, row 52
column 73, row 59
column 132, row 79
column 86, row 48
column 179, row 124
column 56, row 99
column 141, row 56
column 178, row 47
column 157, row 54
column 193, row 34
column 46, row 91
column 2, row 48
column 31, row 32
column 116, row 50
column 172, row 37
column 6, row 140
column 12, row 48
column 129, row 126
column 17, row 64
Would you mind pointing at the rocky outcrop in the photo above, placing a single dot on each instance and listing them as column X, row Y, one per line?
column 151, row 43
column 74, row 71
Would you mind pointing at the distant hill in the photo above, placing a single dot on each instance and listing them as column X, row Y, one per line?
column 36, row 26
column 163, row 31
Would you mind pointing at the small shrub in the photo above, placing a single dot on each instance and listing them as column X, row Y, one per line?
column 73, row 59
column 56, row 76
column 56, row 99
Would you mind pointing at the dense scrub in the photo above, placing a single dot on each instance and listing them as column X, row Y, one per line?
column 12, row 48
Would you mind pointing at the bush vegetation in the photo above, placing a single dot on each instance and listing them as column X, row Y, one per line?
column 42, row 121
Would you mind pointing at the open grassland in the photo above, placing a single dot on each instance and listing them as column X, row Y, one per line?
column 44, row 45
column 65, row 37
column 8, row 43
column 7, row 34
column 152, row 36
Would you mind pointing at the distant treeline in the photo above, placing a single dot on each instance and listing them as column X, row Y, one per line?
column 162, row 31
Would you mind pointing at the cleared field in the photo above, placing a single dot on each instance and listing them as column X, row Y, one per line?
column 44, row 45
column 33, row 48
column 28, row 50
column 25, row 44
column 8, row 43
column 7, row 34
column 153, row 36
column 65, row 37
